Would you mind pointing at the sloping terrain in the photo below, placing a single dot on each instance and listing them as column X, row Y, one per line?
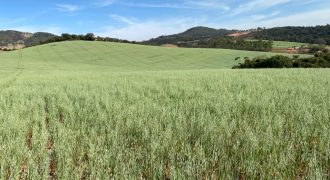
column 95, row 110
column 82, row 55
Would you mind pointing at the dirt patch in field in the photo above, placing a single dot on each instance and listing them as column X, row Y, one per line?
column 238, row 34
column 170, row 46
column 280, row 50
column 290, row 50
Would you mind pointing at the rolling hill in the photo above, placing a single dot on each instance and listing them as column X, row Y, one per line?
column 84, row 55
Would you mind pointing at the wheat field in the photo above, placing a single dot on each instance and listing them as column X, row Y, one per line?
column 71, row 112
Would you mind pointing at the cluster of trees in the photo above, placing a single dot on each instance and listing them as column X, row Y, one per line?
column 316, row 48
column 87, row 37
column 320, row 60
column 71, row 37
column 312, row 35
column 108, row 39
column 230, row 43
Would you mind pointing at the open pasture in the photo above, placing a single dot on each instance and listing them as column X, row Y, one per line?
column 94, row 110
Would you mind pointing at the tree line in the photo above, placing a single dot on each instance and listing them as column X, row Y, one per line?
column 230, row 43
column 320, row 60
column 240, row 44
column 86, row 37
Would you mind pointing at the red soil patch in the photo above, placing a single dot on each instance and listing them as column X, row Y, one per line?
column 238, row 34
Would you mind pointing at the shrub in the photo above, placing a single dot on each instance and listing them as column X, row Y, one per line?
column 320, row 60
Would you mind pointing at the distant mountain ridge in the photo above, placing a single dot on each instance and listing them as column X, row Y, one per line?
column 193, row 37
column 193, row 34
column 11, row 38
column 312, row 35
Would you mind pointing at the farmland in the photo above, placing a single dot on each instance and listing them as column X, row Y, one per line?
column 285, row 44
column 94, row 110
column 102, row 56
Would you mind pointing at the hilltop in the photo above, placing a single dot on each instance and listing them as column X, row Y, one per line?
column 193, row 34
column 15, row 39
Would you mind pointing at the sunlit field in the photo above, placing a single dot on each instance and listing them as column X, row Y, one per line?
column 95, row 110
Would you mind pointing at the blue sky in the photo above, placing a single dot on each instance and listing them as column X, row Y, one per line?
column 144, row 19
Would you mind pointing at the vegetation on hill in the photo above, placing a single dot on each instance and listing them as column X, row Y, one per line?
column 320, row 60
column 210, row 38
column 96, row 110
column 11, row 37
column 312, row 35
column 27, row 39
column 38, row 38
column 193, row 34
column 87, row 37
column 71, row 37
column 203, row 37
column 231, row 43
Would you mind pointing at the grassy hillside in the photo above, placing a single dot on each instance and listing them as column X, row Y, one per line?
column 92, row 110
column 103, row 56
column 285, row 44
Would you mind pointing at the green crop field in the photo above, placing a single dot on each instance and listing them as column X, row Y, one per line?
column 103, row 56
column 285, row 44
column 95, row 110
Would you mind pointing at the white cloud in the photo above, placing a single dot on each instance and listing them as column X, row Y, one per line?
column 144, row 30
column 104, row 3
column 184, row 4
column 123, row 19
column 67, row 7
column 32, row 29
column 317, row 17
column 257, row 5
column 311, row 18
column 258, row 17
column 209, row 4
